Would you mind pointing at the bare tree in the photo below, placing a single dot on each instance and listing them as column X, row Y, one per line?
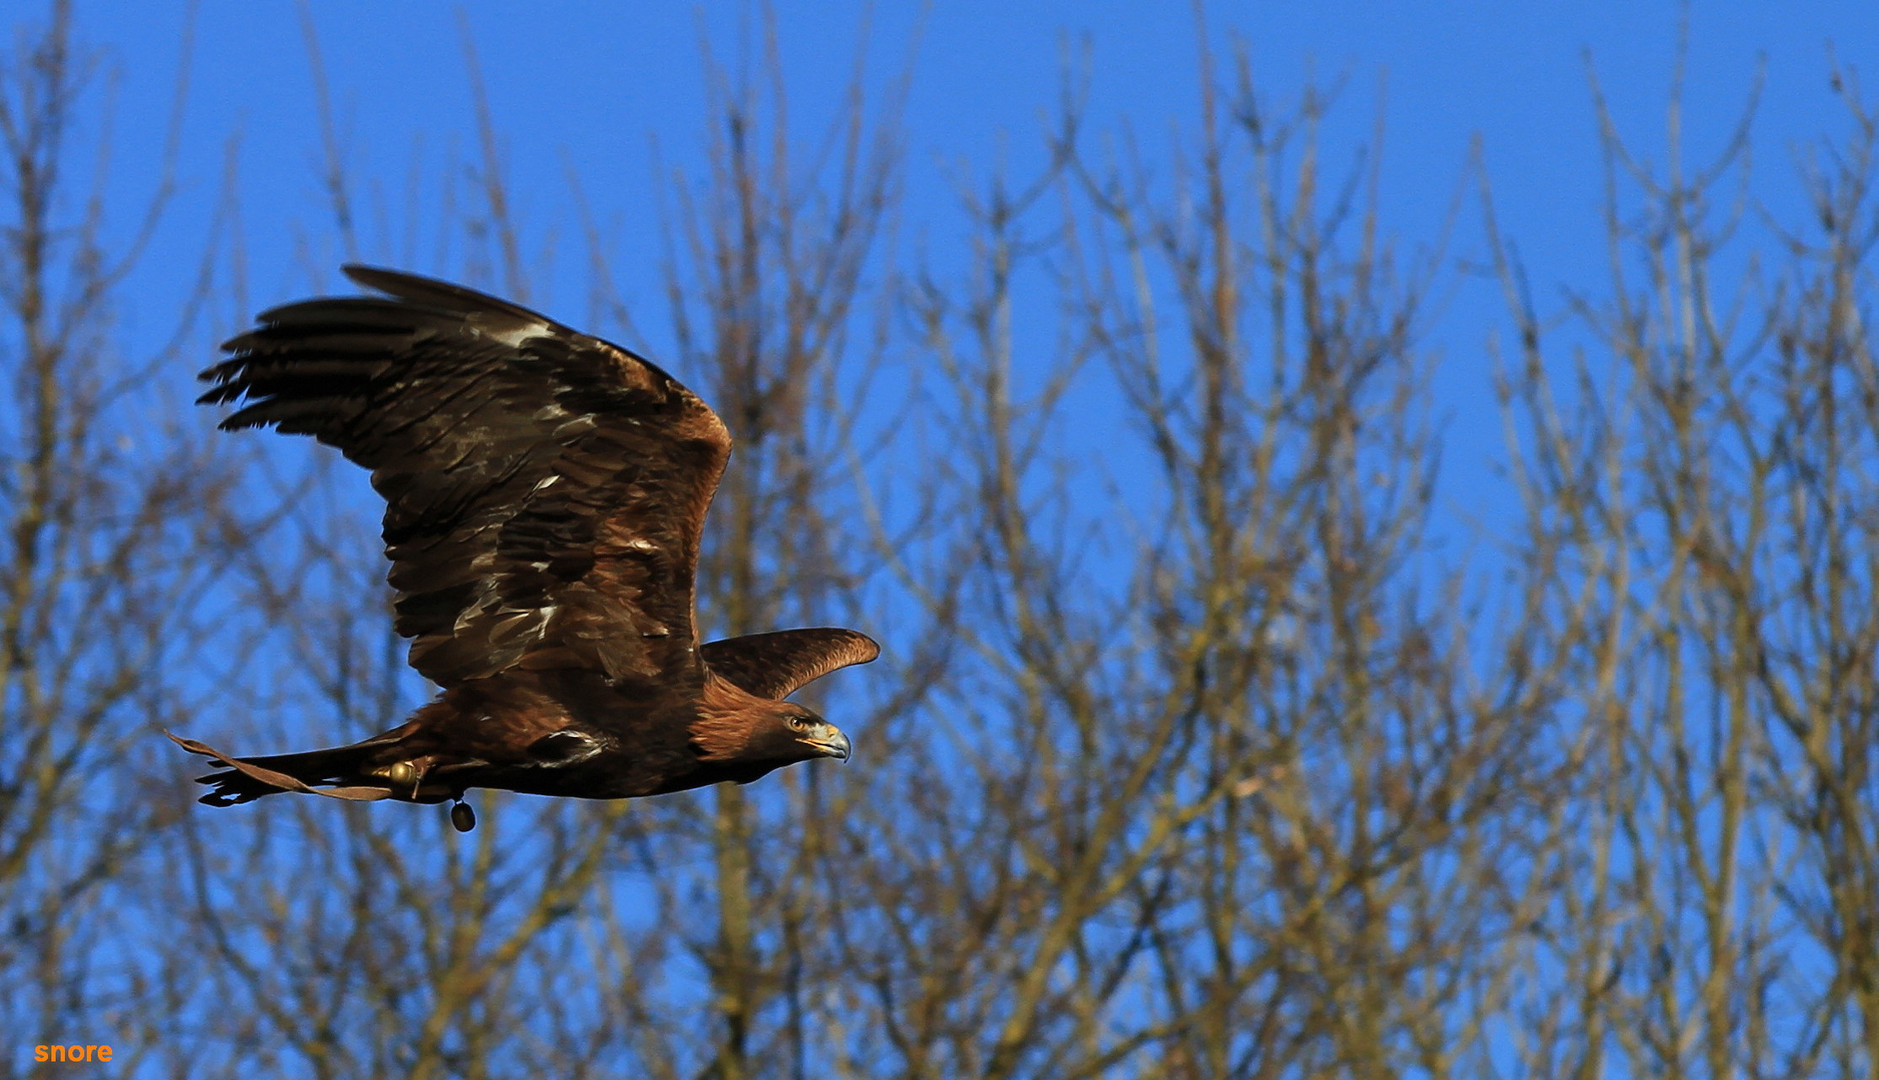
column 115, row 530
column 769, row 264
column 1226, row 792
column 1701, row 470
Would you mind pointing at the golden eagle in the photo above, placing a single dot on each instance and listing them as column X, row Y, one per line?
column 544, row 495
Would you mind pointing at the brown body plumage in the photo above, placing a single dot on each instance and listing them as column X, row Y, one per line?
column 545, row 493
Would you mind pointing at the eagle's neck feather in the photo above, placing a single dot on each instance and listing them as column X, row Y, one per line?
column 727, row 715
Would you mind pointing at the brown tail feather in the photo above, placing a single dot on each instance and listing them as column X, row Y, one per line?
column 248, row 779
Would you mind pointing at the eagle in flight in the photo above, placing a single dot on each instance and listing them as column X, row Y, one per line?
column 544, row 495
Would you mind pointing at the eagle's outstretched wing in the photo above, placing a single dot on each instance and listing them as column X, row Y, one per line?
column 776, row 665
column 544, row 489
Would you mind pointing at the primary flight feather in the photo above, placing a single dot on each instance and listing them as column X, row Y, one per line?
column 545, row 492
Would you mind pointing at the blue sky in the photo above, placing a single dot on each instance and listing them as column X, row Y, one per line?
column 592, row 88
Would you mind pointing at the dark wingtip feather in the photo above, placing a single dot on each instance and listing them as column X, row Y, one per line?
column 431, row 292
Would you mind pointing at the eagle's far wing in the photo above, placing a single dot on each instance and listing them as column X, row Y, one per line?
column 776, row 665
column 544, row 489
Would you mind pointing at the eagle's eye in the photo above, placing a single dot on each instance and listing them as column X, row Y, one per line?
column 799, row 722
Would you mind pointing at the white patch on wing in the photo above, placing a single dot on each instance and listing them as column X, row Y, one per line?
column 546, row 482
column 568, row 746
column 515, row 338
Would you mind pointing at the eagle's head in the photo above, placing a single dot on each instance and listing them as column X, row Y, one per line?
column 788, row 733
column 754, row 735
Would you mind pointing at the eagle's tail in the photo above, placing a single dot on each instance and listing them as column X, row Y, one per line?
column 351, row 767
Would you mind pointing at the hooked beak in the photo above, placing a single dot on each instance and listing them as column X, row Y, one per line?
column 829, row 741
